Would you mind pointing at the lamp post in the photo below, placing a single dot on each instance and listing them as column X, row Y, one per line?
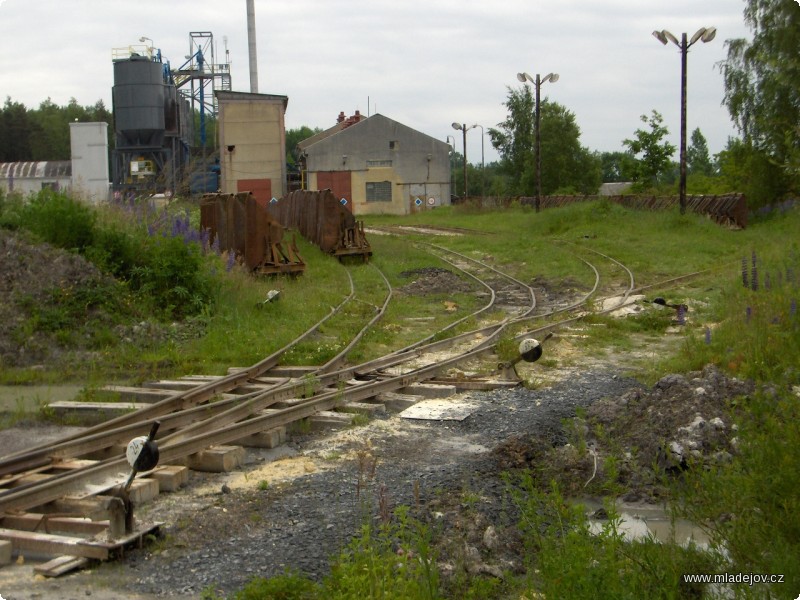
column 145, row 39
column 463, row 128
column 452, row 157
column 706, row 34
column 483, row 164
column 552, row 77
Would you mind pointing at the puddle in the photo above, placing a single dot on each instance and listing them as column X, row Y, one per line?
column 639, row 521
column 30, row 397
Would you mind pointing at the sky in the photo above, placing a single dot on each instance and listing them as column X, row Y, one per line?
column 424, row 64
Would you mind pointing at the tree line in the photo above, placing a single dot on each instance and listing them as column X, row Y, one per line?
column 43, row 133
column 38, row 134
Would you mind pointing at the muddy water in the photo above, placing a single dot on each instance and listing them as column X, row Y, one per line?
column 641, row 520
column 28, row 398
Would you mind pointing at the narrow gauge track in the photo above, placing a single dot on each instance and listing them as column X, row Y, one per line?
column 193, row 421
column 188, row 415
column 44, row 474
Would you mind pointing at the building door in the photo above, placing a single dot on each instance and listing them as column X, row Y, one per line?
column 339, row 183
column 260, row 188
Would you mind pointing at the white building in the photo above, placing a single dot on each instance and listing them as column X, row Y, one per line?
column 85, row 176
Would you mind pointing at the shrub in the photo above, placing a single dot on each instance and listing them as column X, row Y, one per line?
column 172, row 273
column 752, row 503
column 58, row 220
column 289, row 586
column 115, row 251
column 570, row 561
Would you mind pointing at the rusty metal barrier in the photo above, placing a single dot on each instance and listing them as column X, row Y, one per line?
column 241, row 224
column 322, row 220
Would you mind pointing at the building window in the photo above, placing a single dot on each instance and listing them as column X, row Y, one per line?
column 379, row 191
column 394, row 145
column 379, row 163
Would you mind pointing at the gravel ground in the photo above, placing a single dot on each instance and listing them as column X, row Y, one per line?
column 322, row 485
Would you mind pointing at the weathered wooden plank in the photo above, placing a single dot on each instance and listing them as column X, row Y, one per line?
column 66, row 407
column 217, row 459
column 170, row 477
column 327, row 419
column 46, row 524
column 136, row 394
column 363, row 408
column 60, row 565
column 483, row 385
column 176, row 385
column 46, row 543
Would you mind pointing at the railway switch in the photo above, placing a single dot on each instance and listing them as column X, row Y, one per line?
column 530, row 350
column 142, row 453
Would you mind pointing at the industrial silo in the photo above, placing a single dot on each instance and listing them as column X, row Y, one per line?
column 139, row 98
column 150, row 154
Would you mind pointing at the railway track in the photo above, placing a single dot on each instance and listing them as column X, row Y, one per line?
column 65, row 498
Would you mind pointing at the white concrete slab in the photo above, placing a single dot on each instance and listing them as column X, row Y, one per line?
column 439, row 410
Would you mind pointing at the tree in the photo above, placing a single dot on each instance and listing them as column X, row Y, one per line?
column 294, row 137
column 653, row 156
column 698, row 161
column 566, row 165
column 617, row 166
column 762, row 82
column 51, row 126
column 745, row 169
column 514, row 138
column 15, row 133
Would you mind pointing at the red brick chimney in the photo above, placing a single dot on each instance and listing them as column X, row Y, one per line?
column 350, row 120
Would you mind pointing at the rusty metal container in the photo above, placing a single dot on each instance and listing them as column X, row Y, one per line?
column 242, row 225
column 321, row 219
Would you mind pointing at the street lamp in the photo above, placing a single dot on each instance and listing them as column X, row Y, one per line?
column 451, row 161
column 706, row 34
column 551, row 77
column 144, row 39
column 463, row 128
column 483, row 164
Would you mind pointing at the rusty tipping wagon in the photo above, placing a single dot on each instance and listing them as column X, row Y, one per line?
column 254, row 229
column 241, row 224
column 324, row 221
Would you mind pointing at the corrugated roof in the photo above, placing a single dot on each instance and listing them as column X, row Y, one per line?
column 612, row 189
column 344, row 124
column 45, row 169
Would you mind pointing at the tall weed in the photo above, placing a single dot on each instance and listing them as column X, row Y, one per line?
column 751, row 506
column 567, row 560
column 57, row 219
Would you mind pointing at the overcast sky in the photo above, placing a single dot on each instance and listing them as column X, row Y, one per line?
column 422, row 63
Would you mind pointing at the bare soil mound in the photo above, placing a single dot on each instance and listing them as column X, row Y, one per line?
column 433, row 280
column 33, row 275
